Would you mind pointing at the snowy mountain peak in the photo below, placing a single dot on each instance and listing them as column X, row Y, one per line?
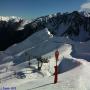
column 7, row 18
column 86, row 12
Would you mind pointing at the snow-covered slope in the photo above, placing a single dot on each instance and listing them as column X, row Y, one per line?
column 72, row 71
column 75, row 79
column 31, row 42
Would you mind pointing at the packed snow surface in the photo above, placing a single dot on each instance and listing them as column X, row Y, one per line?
column 73, row 65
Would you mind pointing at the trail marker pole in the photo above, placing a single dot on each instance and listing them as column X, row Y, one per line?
column 56, row 67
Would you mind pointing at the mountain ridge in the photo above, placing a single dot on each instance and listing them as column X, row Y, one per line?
column 73, row 25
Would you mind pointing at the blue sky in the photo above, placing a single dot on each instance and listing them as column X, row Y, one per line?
column 35, row 8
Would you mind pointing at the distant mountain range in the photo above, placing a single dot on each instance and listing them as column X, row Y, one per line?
column 75, row 25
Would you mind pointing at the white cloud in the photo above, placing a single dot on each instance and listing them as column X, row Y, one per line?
column 85, row 6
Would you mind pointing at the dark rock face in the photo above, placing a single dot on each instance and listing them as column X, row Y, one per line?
column 75, row 25
column 9, row 33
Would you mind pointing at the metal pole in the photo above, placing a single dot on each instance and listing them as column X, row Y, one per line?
column 56, row 67
column 56, row 73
